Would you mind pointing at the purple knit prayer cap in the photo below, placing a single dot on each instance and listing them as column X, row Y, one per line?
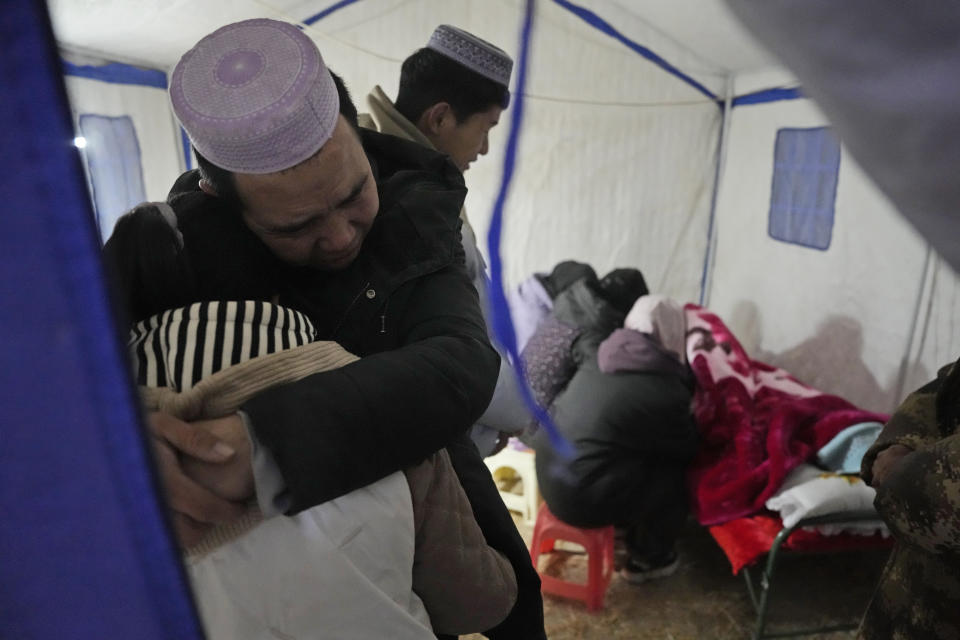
column 255, row 97
column 472, row 52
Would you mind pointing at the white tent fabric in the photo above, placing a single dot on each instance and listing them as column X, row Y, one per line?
column 936, row 338
column 617, row 165
column 886, row 77
column 156, row 32
column 158, row 135
column 838, row 319
column 849, row 320
column 617, row 169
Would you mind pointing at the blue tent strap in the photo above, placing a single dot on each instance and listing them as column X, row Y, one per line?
column 317, row 17
column 500, row 310
column 599, row 23
column 117, row 73
column 768, row 95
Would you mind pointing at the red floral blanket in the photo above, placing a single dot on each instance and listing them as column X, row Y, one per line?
column 756, row 423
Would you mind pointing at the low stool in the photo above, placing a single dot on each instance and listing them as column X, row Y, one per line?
column 512, row 461
column 599, row 547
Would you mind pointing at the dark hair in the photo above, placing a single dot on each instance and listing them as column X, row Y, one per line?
column 347, row 108
column 148, row 265
column 622, row 287
column 428, row 77
column 222, row 180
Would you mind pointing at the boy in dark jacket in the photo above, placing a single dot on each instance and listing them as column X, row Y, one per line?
column 452, row 93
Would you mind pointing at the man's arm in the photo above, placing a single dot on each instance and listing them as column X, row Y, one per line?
column 912, row 425
column 915, row 469
column 920, row 497
column 337, row 431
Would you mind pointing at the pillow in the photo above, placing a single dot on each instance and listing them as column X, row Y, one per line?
column 808, row 492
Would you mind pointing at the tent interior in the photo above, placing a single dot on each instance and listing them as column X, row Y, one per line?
column 657, row 134
column 622, row 163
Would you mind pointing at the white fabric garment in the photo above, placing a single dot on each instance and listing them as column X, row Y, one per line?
column 341, row 570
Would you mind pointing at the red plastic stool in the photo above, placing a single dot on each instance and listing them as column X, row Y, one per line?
column 599, row 546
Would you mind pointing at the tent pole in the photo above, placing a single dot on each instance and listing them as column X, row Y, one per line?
column 706, row 283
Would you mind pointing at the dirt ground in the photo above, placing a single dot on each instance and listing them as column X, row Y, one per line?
column 704, row 601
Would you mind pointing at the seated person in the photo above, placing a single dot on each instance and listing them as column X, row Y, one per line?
column 401, row 557
column 532, row 300
column 583, row 314
column 626, row 412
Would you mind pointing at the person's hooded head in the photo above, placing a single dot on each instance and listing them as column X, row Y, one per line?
column 275, row 137
column 564, row 274
column 662, row 318
column 454, row 90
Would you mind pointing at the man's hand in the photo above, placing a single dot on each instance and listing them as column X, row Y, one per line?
column 195, row 508
column 189, row 532
column 231, row 479
column 886, row 461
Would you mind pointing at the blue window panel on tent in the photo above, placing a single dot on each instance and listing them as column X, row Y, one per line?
column 806, row 163
column 113, row 162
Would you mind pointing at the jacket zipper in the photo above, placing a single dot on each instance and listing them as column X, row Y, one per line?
column 383, row 317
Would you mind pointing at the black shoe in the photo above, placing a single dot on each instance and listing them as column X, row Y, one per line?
column 638, row 570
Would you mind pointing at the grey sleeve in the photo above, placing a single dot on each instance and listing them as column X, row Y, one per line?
column 506, row 412
column 476, row 267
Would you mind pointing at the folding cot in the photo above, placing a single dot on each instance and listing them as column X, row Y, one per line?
column 746, row 540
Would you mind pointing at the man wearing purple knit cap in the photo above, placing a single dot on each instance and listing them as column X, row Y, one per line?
column 358, row 230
